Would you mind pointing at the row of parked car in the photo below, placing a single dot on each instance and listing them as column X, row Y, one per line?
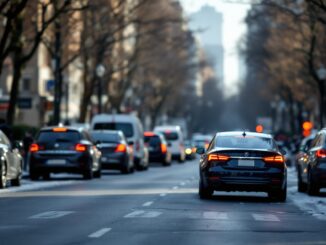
column 112, row 142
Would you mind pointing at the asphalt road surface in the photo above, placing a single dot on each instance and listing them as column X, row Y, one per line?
column 158, row 206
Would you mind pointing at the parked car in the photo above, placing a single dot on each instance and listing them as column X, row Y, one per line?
column 11, row 162
column 312, row 165
column 174, row 136
column 115, row 151
column 157, row 148
column 242, row 161
column 132, row 129
column 64, row 149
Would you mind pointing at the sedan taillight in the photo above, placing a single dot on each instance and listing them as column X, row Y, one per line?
column 80, row 148
column 34, row 147
column 163, row 148
column 274, row 159
column 218, row 157
column 121, row 148
column 321, row 153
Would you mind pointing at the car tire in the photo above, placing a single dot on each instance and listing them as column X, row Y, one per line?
column 302, row 187
column 204, row 191
column 166, row 163
column 3, row 177
column 98, row 174
column 181, row 160
column 312, row 187
column 88, row 174
column 279, row 195
column 33, row 175
column 17, row 181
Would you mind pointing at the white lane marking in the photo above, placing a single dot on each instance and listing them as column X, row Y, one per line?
column 99, row 233
column 215, row 215
column 265, row 217
column 134, row 214
column 175, row 187
column 143, row 214
column 51, row 215
column 147, row 204
column 163, row 194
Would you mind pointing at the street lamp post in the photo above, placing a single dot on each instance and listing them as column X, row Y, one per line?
column 322, row 76
column 100, row 70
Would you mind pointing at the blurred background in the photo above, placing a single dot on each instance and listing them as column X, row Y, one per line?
column 204, row 65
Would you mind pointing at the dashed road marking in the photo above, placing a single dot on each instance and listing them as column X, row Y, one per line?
column 51, row 215
column 215, row 215
column 99, row 233
column 147, row 204
column 266, row 217
column 143, row 214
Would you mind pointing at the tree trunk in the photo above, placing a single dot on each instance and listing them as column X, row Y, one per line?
column 14, row 86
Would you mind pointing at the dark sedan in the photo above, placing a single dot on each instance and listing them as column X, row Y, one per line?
column 116, row 153
column 312, row 166
column 242, row 161
column 11, row 162
column 157, row 148
column 64, row 149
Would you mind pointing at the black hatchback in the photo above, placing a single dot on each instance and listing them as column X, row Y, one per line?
column 64, row 149
column 242, row 161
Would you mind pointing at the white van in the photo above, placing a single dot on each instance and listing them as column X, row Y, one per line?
column 132, row 128
column 174, row 136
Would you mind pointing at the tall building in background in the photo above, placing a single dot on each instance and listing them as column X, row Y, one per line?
column 207, row 24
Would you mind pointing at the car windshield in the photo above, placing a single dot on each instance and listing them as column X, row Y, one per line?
column 126, row 128
column 171, row 136
column 152, row 140
column 52, row 137
column 244, row 142
column 105, row 137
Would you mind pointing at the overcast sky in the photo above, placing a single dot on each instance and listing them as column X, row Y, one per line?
column 233, row 30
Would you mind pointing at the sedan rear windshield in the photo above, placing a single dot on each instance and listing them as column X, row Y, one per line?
column 105, row 137
column 245, row 142
column 53, row 137
column 126, row 128
column 171, row 136
column 152, row 140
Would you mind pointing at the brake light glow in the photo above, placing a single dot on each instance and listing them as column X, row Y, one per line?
column 218, row 157
column 121, row 148
column 163, row 148
column 34, row 148
column 149, row 134
column 59, row 129
column 321, row 153
column 80, row 148
column 274, row 159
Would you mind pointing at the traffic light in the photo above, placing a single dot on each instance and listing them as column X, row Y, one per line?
column 307, row 126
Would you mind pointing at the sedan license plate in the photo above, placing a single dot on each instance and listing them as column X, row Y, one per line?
column 246, row 163
column 56, row 162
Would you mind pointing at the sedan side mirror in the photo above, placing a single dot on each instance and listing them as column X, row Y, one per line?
column 200, row 150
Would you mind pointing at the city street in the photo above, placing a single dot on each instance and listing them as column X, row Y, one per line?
column 158, row 206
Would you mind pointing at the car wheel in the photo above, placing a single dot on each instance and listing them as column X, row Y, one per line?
column 33, row 175
column 3, row 181
column 312, row 187
column 302, row 187
column 279, row 195
column 88, row 174
column 166, row 163
column 98, row 173
column 204, row 191
column 181, row 159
